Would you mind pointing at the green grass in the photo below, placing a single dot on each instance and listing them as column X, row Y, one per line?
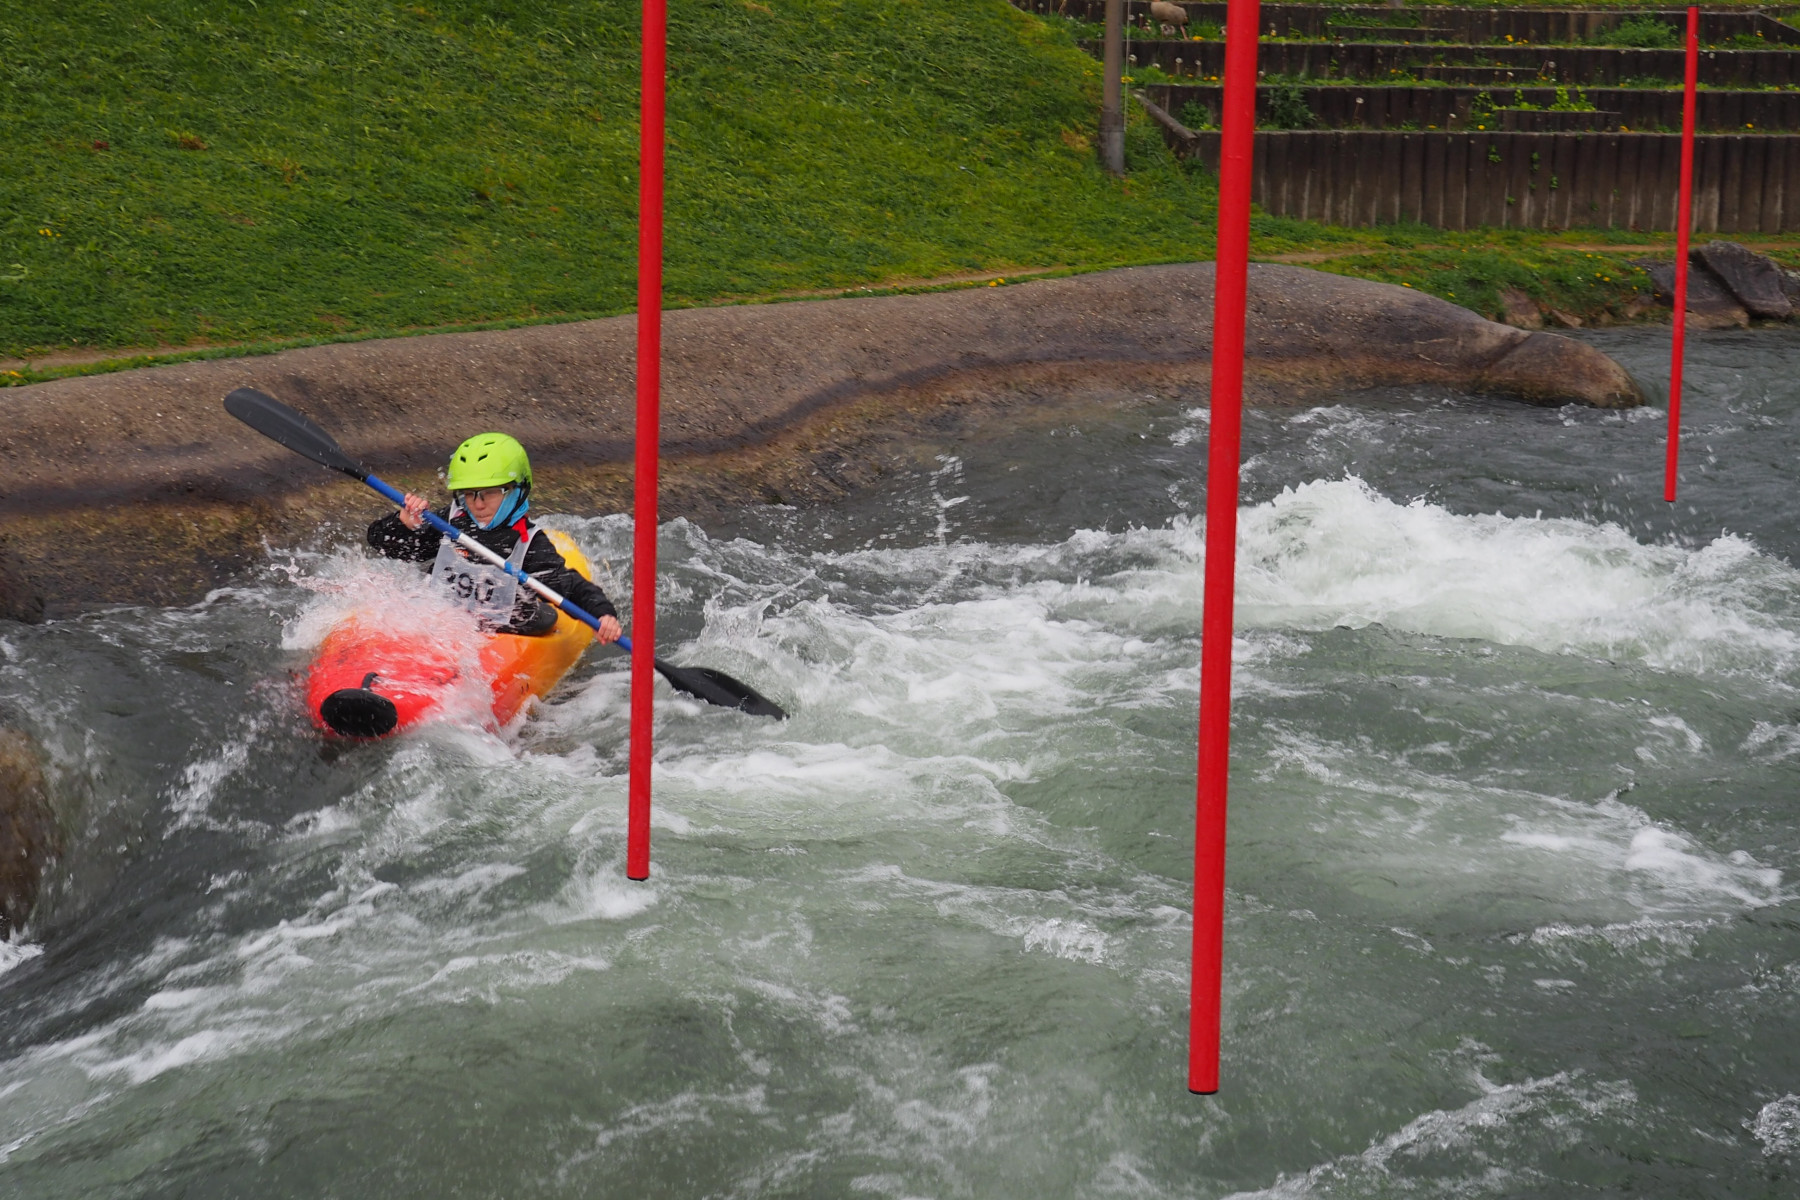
column 185, row 172
column 255, row 175
column 1584, row 283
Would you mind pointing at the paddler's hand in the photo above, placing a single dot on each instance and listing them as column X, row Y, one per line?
column 610, row 631
column 412, row 513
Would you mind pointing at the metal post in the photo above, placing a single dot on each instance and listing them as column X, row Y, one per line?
column 1230, row 294
column 649, row 390
column 1684, row 219
column 1112, row 107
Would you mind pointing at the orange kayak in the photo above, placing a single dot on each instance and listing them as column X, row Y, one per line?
column 368, row 681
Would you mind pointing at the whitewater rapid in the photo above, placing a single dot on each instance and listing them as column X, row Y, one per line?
column 1512, row 801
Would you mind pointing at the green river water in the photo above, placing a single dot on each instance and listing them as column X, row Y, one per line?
column 1514, row 840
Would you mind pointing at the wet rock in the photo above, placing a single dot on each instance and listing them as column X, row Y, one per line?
column 1710, row 304
column 733, row 376
column 20, row 599
column 1519, row 310
column 140, row 482
column 1790, row 287
column 1311, row 326
column 1753, row 278
column 1525, row 367
column 30, row 838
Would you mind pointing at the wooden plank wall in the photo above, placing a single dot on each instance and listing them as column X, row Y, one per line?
column 1345, row 106
column 1464, row 24
column 1742, row 183
column 1579, row 66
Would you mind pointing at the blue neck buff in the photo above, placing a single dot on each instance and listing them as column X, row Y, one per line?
column 513, row 505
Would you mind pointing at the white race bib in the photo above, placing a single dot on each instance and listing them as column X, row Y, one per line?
column 486, row 591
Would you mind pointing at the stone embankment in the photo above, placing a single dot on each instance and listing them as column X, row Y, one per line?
column 136, row 487
column 1729, row 285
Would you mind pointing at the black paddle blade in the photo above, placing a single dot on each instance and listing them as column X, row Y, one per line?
column 716, row 687
column 275, row 420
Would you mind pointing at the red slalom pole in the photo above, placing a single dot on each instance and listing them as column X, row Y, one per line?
column 1230, row 293
column 649, row 392
column 1684, row 218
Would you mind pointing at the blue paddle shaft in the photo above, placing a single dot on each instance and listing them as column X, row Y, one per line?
column 482, row 552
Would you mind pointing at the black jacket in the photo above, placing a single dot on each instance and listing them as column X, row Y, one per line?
column 531, row 614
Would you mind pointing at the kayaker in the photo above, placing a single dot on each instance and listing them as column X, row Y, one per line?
column 489, row 478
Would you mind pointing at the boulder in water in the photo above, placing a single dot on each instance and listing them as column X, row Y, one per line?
column 1710, row 304
column 30, row 837
column 1755, row 279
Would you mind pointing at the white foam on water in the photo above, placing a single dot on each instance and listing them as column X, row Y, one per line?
column 1652, row 939
column 350, row 583
column 1777, row 1127
column 908, row 1115
column 13, row 953
column 829, row 1012
column 1066, row 939
column 364, row 950
column 685, row 1109
column 494, row 977
column 1323, row 554
column 349, row 587
column 206, row 1045
column 1447, row 840
column 1772, row 742
column 1335, row 553
column 926, row 684
column 471, row 882
column 601, row 892
column 1676, row 864
column 190, row 799
column 1464, row 1146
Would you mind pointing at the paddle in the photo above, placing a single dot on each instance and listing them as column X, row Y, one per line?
column 275, row 420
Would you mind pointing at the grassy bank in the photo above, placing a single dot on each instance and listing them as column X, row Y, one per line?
column 185, row 174
column 193, row 171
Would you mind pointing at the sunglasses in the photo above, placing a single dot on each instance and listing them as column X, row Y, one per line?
column 482, row 495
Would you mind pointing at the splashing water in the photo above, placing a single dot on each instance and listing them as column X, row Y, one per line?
column 1511, row 876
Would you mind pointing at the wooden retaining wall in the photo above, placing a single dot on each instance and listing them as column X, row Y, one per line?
column 1348, row 106
column 1471, row 25
column 1585, row 66
column 1742, row 184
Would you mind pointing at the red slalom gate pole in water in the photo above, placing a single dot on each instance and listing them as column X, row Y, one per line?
column 1684, row 213
column 649, row 394
column 1230, row 290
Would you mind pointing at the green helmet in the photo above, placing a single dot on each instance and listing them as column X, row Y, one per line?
column 488, row 460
